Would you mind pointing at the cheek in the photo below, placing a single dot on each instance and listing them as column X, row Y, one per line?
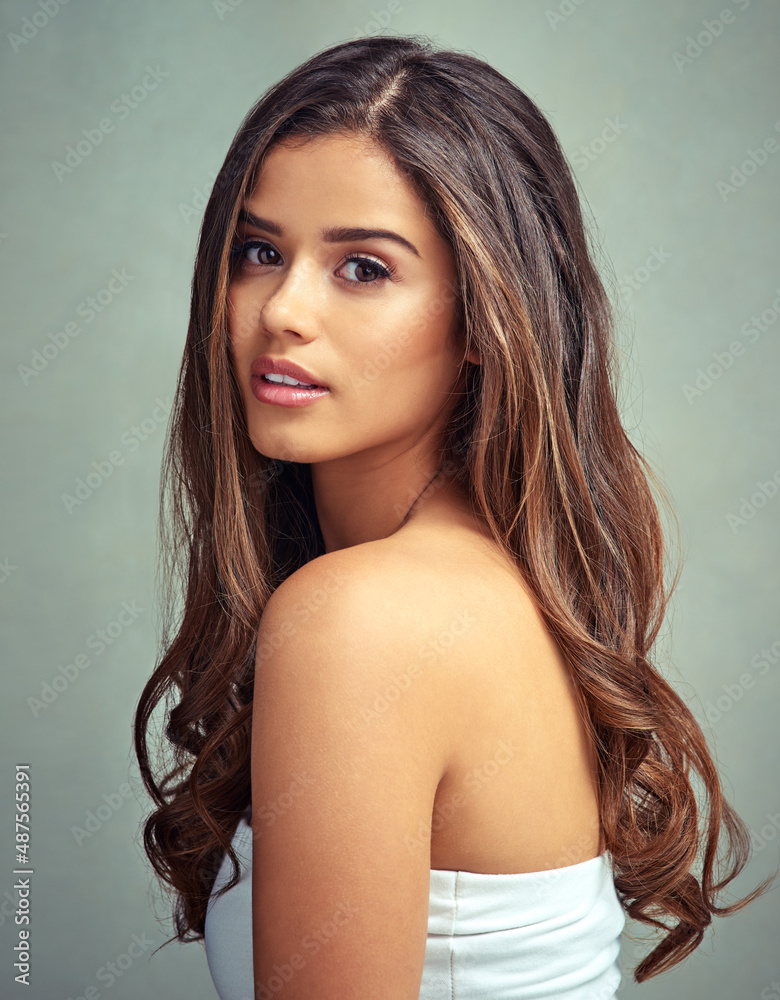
column 409, row 364
column 415, row 346
column 241, row 325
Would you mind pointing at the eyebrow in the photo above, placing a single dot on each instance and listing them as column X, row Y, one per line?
column 336, row 234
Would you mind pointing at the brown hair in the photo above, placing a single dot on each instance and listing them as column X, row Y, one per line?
column 536, row 440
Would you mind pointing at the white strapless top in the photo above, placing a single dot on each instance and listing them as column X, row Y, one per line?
column 524, row 936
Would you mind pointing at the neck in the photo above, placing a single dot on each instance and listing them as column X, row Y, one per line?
column 356, row 506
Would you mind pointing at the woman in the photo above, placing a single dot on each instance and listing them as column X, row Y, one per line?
column 424, row 569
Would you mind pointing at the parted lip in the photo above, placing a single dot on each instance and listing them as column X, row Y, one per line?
column 281, row 366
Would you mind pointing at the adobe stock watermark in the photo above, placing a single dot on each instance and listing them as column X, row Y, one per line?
column 269, row 812
column 732, row 693
column 568, row 856
column 121, row 107
column 311, row 943
column 393, row 348
column 9, row 906
column 712, row 28
column 754, row 160
column 200, row 197
column 245, row 326
column 6, row 569
column 88, row 310
column 201, row 194
column 631, row 283
column 223, row 7
column 771, row 992
column 587, row 154
column 564, row 11
column 476, row 779
column 723, row 360
column 442, row 477
column 750, row 506
column 429, row 650
column 109, row 806
column 112, row 971
column 380, row 19
column 449, row 467
column 102, row 469
column 32, row 25
column 98, row 641
column 301, row 612
column 760, row 840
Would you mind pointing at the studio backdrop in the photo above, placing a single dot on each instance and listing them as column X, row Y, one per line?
column 115, row 120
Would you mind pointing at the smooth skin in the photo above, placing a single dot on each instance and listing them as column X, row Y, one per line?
column 411, row 710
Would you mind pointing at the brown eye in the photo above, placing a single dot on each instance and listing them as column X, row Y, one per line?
column 250, row 251
column 260, row 249
column 365, row 265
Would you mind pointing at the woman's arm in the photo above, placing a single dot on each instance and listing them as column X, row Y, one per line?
column 342, row 783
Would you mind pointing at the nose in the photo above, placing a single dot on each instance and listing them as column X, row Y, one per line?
column 288, row 303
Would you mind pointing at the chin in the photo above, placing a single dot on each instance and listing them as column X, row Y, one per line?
column 288, row 450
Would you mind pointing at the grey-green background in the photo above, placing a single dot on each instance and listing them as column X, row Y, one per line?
column 679, row 126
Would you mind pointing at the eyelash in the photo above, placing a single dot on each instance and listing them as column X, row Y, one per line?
column 384, row 271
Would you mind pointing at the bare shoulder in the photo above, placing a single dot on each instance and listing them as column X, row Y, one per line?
column 362, row 590
column 397, row 633
column 372, row 622
column 428, row 596
column 423, row 583
column 378, row 653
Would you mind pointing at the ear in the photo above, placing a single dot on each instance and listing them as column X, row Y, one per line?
column 471, row 355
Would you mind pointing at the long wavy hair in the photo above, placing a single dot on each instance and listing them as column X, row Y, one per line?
column 535, row 439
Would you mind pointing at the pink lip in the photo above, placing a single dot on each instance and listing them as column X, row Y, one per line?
column 284, row 395
column 281, row 366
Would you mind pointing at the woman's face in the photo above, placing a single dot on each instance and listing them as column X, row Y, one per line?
column 369, row 317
